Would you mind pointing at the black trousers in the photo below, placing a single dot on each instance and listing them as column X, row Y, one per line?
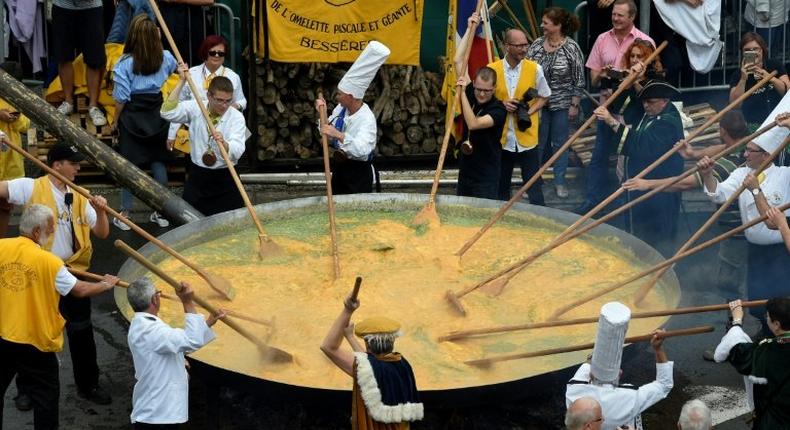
column 529, row 162
column 79, row 330
column 40, row 370
column 144, row 426
column 351, row 177
column 211, row 191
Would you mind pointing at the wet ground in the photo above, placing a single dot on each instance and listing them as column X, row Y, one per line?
column 213, row 405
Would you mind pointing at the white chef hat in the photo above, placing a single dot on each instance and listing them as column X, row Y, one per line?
column 361, row 74
column 770, row 140
column 608, row 350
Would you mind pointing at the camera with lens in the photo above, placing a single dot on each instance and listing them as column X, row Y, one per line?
column 523, row 121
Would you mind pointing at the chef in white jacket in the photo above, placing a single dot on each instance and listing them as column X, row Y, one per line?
column 161, row 394
column 351, row 127
column 600, row 379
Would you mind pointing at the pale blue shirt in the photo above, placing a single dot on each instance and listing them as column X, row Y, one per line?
column 128, row 83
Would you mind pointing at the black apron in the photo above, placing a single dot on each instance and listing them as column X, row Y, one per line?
column 211, row 191
column 352, row 176
column 142, row 131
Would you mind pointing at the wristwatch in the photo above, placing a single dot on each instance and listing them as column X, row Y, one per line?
column 756, row 191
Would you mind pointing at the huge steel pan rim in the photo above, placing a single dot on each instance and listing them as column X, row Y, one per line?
column 240, row 217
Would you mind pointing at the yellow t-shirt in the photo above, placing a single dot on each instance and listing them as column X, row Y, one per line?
column 28, row 298
column 11, row 162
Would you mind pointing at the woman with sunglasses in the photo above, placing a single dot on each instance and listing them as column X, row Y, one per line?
column 138, row 77
column 212, row 51
column 755, row 65
column 563, row 65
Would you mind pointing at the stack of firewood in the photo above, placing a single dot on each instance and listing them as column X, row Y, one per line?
column 405, row 99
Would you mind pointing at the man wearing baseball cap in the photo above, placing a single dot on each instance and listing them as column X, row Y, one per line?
column 75, row 218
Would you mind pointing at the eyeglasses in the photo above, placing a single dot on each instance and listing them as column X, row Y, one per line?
column 750, row 150
column 222, row 101
column 484, row 90
column 219, row 54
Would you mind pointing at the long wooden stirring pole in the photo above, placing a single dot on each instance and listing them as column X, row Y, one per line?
column 486, row 362
column 266, row 247
column 269, row 352
column 641, row 294
column 330, row 202
column 124, row 284
column 428, row 214
column 663, row 264
column 627, row 83
column 464, row 334
column 218, row 283
column 498, row 281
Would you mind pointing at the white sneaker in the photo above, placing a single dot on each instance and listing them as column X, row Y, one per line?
column 66, row 108
column 97, row 117
column 120, row 224
column 562, row 191
column 159, row 220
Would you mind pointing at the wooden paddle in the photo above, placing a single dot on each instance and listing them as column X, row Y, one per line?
column 269, row 352
column 662, row 265
column 428, row 215
column 266, row 247
column 465, row 334
column 218, row 283
column 624, row 85
column 355, row 291
column 329, row 200
column 487, row 362
column 647, row 286
column 496, row 283
column 123, row 284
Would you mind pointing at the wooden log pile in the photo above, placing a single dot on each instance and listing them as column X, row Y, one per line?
column 405, row 99
column 700, row 113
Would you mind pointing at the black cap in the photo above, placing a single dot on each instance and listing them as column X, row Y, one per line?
column 62, row 151
column 658, row 89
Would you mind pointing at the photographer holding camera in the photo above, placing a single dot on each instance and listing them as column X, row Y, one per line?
column 523, row 89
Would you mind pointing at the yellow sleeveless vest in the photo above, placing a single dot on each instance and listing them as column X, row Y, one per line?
column 42, row 194
column 527, row 79
column 28, row 298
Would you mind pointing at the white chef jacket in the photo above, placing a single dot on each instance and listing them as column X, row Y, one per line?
column 21, row 190
column 775, row 189
column 199, row 75
column 621, row 405
column 359, row 132
column 161, row 393
column 231, row 125
column 512, row 75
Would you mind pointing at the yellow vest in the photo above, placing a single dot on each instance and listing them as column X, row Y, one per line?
column 526, row 80
column 12, row 165
column 28, row 298
column 42, row 194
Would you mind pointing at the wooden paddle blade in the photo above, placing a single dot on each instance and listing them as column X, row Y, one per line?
column 427, row 216
column 219, row 284
column 267, row 247
column 455, row 302
column 276, row 355
column 483, row 363
column 644, row 290
column 495, row 286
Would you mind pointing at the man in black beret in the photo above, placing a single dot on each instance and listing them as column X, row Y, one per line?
column 654, row 220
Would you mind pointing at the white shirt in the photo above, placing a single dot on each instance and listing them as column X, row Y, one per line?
column 766, row 13
column 231, row 125
column 359, row 131
column 161, row 393
column 19, row 193
column 199, row 75
column 775, row 189
column 621, row 405
column 512, row 75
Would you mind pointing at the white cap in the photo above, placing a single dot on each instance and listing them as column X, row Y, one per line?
column 361, row 74
column 608, row 350
column 771, row 139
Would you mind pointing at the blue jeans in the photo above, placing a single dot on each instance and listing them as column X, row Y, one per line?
column 554, row 131
column 774, row 38
column 158, row 171
column 125, row 10
column 598, row 169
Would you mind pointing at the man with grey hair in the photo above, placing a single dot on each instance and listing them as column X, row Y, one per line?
column 584, row 414
column 161, row 394
column 32, row 281
column 695, row 415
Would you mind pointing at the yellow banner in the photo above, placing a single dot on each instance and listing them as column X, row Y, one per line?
column 333, row 31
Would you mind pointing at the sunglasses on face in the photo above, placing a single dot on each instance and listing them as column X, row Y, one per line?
column 219, row 54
